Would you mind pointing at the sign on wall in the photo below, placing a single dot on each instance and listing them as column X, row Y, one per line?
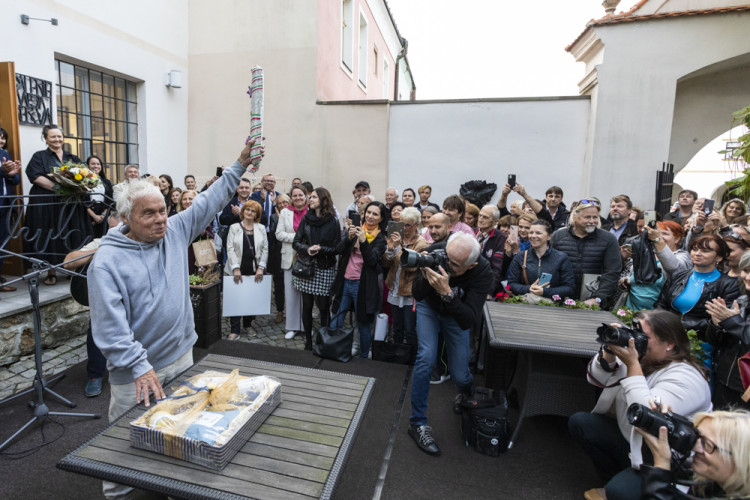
column 34, row 100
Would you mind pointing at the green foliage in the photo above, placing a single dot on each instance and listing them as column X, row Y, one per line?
column 741, row 154
column 696, row 346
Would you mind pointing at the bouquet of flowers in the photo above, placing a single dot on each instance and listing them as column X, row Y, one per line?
column 72, row 179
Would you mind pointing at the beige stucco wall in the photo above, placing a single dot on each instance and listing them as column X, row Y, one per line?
column 327, row 145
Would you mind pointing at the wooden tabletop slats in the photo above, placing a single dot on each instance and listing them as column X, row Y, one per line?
column 297, row 452
column 544, row 328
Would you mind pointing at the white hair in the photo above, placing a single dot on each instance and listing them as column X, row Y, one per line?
column 393, row 188
column 495, row 211
column 465, row 242
column 135, row 190
column 411, row 215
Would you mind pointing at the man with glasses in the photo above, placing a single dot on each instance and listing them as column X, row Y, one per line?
column 451, row 302
column 266, row 197
column 591, row 250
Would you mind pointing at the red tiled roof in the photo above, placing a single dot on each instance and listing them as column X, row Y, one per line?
column 628, row 17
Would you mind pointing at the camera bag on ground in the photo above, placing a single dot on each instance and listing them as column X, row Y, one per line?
column 484, row 421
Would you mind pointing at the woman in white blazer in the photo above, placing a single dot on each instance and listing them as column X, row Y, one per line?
column 289, row 219
column 247, row 255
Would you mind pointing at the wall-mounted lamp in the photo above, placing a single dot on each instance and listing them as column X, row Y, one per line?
column 173, row 79
column 25, row 20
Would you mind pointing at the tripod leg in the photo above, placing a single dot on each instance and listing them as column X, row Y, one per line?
column 19, row 431
column 16, row 396
column 65, row 401
column 87, row 415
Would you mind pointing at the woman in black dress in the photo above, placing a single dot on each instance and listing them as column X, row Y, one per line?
column 101, row 197
column 54, row 225
column 317, row 237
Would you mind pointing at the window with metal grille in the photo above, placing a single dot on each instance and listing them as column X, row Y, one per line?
column 98, row 113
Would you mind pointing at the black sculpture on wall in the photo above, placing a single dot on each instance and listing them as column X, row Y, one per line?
column 34, row 100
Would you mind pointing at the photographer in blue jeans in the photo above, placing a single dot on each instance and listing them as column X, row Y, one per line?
column 449, row 301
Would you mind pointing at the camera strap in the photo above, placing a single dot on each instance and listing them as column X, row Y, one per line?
column 595, row 381
column 525, row 276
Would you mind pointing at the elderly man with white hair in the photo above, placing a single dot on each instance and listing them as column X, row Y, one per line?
column 141, row 315
column 449, row 301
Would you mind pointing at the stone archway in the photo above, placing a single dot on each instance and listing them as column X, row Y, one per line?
column 704, row 102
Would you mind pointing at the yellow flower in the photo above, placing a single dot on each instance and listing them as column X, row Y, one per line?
column 84, row 171
column 63, row 168
column 78, row 177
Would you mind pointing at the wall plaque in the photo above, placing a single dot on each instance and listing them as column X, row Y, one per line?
column 34, row 100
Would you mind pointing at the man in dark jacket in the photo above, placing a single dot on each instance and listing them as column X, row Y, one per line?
column 451, row 304
column 621, row 226
column 554, row 206
column 267, row 199
column 686, row 200
column 591, row 251
column 492, row 241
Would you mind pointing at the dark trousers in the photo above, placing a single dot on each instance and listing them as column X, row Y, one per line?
column 601, row 439
column 234, row 323
column 324, row 304
column 97, row 363
column 404, row 324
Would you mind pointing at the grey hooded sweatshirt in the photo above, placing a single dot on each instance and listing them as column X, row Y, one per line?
column 141, row 315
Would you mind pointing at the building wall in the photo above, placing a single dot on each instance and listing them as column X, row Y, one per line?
column 118, row 38
column 447, row 143
column 334, row 81
column 637, row 89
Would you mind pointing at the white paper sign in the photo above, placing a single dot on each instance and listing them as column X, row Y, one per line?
column 247, row 298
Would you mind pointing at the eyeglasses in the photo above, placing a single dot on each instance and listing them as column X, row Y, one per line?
column 709, row 446
column 734, row 236
column 595, row 203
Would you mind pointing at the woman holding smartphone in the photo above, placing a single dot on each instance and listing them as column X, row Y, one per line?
column 540, row 271
column 360, row 273
column 317, row 237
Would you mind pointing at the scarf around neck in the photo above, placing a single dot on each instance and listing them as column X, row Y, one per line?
column 298, row 214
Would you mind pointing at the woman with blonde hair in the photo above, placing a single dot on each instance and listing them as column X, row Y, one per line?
column 721, row 459
column 247, row 254
column 732, row 210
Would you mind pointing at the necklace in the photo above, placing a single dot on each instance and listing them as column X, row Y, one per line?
column 249, row 231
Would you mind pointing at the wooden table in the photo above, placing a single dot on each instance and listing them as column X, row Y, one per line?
column 550, row 344
column 298, row 453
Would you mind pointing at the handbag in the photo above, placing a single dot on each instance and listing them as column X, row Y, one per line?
column 334, row 343
column 205, row 253
column 302, row 267
column 645, row 269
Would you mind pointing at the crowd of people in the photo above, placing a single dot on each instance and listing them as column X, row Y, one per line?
column 536, row 249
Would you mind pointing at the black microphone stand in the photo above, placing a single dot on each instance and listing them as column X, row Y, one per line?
column 41, row 385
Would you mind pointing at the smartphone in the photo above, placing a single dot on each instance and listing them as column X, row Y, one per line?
column 395, row 227
column 219, row 171
column 514, row 232
column 629, row 246
column 512, row 180
column 352, row 212
column 708, row 206
column 544, row 279
column 649, row 218
column 355, row 218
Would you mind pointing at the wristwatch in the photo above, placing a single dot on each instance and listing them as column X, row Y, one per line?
column 447, row 297
column 598, row 300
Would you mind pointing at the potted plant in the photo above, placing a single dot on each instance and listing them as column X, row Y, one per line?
column 205, row 295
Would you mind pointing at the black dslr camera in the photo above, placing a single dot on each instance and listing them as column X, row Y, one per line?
column 439, row 257
column 620, row 336
column 682, row 434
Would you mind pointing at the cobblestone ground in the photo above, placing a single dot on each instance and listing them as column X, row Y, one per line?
column 20, row 375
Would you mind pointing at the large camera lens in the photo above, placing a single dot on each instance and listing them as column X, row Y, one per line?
column 614, row 336
column 648, row 420
column 411, row 259
column 682, row 433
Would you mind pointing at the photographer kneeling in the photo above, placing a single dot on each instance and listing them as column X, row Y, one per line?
column 449, row 300
column 656, row 364
column 721, row 460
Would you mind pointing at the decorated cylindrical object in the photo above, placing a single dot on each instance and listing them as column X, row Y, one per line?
column 256, row 116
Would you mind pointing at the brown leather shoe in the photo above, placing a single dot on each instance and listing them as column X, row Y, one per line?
column 279, row 317
column 7, row 288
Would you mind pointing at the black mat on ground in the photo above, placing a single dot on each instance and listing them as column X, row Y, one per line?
column 544, row 464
